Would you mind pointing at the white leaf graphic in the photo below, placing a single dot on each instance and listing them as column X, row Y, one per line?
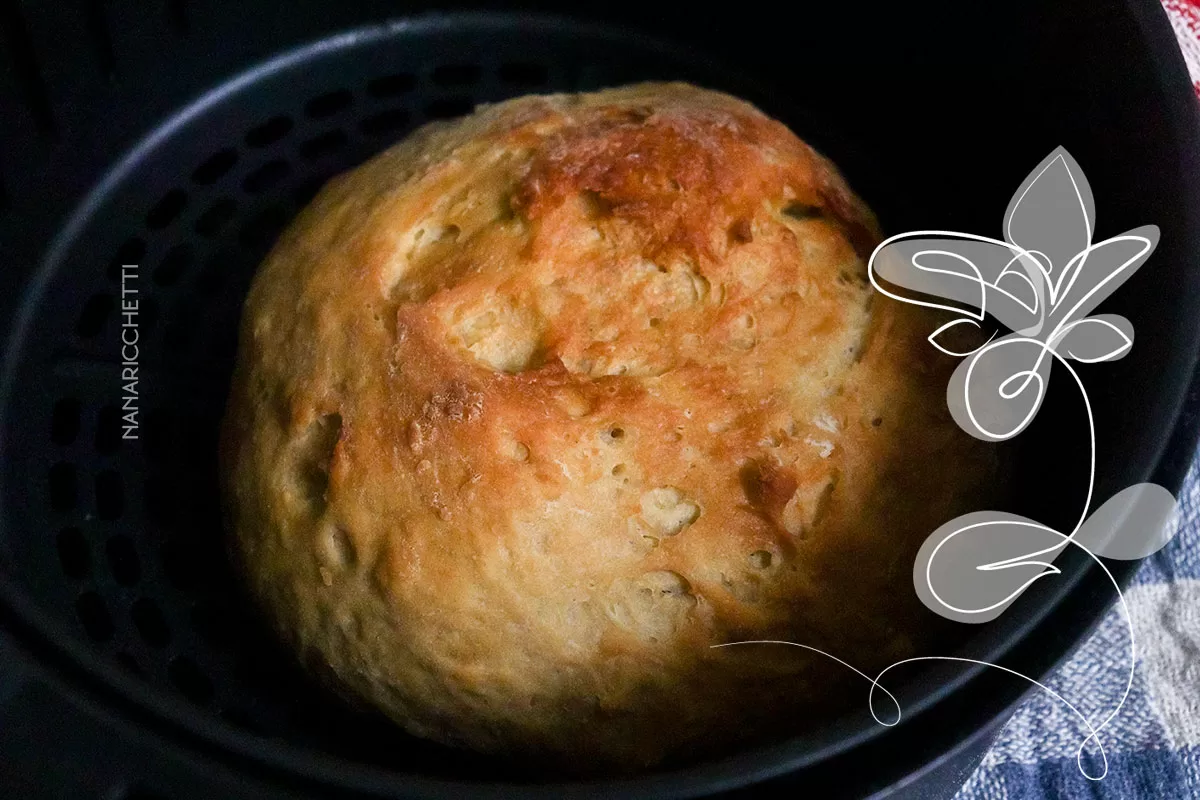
column 1097, row 272
column 1052, row 214
column 1017, row 285
column 1105, row 337
column 995, row 394
column 959, row 337
column 976, row 565
column 979, row 275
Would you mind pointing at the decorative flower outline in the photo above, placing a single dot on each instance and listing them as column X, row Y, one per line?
column 1041, row 281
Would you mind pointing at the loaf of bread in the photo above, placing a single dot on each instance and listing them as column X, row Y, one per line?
column 535, row 408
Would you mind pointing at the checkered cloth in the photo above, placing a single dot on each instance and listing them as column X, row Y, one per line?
column 1153, row 744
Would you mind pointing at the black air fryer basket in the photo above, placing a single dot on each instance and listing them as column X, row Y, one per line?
column 182, row 137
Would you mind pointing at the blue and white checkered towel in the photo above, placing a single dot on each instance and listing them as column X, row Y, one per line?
column 1153, row 744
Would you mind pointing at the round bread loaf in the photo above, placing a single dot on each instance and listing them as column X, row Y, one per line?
column 535, row 408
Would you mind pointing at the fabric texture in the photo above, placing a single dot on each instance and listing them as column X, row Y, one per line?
column 1153, row 743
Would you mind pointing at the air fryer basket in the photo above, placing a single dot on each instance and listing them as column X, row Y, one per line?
column 112, row 551
column 136, row 555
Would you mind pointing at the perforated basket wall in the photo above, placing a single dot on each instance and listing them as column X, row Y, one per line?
column 124, row 537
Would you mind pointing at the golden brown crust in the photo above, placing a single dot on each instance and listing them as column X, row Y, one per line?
column 536, row 407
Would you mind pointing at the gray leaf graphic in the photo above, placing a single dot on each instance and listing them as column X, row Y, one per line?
column 1105, row 337
column 1042, row 281
column 996, row 393
column 1052, row 214
column 1017, row 285
column 1135, row 522
column 1099, row 271
column 974, row 566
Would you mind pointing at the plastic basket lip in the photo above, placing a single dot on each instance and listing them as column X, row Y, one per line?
column 184, row 723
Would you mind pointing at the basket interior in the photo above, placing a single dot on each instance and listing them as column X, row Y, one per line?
column 133, row 554
column 121, row 540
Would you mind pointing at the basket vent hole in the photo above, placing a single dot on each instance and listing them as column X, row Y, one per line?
column 325, row 144
column 94, row 617
column 328, row 104
column 215, row 167
column 190, row 680
column 64, row 423
column 108, row 430
column 456, row 74
column 123, row 560
column 517, row 74
column 384, row 122
column 167, row 210
column 110, row 495
column 216, row 216
column 64, row 491
column 392, row 85
column 132, row 251
column 73, row 553
column 449, row 107
column 263, row 227
column 96, row 24
column 268, row 176
column 95, row 313
column 270, row 131
column 149, row 621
